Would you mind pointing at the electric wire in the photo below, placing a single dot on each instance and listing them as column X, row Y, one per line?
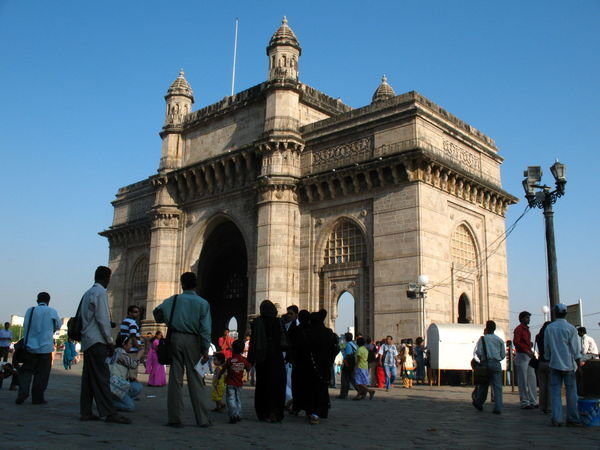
column 497, row 242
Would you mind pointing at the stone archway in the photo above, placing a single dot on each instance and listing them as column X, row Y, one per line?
column 223, row 278
column 464, row 309
column 344, row 269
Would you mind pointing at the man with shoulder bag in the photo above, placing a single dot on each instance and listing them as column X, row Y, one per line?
column 97, row 344
column 188, row 317
column 490, row 350
column 41, row 322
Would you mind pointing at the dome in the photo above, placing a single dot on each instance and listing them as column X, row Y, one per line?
column 181, row 87
column 284, row 36
column 384, row 91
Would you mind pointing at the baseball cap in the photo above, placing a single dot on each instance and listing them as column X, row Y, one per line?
column 560, row 308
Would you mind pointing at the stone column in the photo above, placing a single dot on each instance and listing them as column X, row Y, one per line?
column 278, row 224
column 165, row 243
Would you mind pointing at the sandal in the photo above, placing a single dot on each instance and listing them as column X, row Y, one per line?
column 117, row 418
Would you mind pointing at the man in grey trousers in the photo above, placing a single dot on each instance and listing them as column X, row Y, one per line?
column 188, row 317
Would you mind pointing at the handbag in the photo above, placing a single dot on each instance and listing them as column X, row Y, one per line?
column 534, row 362
column 75, row 325
column 119, row 387
column 163, row 350
column 20, row 348
column 480, row 370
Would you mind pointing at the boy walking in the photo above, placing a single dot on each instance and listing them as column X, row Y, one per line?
column 234, row 381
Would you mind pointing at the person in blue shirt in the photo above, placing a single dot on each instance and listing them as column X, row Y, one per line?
column 41, row 322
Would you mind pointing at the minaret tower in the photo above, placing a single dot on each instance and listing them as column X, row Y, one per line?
column 179, row 101
column 283, row 52
column 280, row 147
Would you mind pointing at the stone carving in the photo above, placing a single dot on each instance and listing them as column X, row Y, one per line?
column 461, row 155
column 165, row 219
column 358, row 150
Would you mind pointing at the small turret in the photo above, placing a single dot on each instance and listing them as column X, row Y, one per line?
column 383, row 92
column 179, row 100
column 284, row 52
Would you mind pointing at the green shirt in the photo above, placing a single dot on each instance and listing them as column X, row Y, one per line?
column 362, row 356
column 191, row 315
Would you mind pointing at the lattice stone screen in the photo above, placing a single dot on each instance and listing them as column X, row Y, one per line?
column 464, row 254
column 345, row 244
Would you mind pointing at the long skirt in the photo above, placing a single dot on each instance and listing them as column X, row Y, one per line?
column 269, row 396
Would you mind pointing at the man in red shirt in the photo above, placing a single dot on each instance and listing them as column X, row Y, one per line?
column 234, row 381
column 526, row 377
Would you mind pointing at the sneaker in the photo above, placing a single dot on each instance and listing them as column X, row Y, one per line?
column 477, row 407
column 554, row 423
column 496, row 411
column 313, row 419
column 232, row 420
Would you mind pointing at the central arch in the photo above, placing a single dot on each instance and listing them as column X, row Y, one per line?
column 222, row 275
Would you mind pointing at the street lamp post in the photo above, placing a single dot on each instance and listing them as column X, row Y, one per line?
column 544, row 198
column 418, row 291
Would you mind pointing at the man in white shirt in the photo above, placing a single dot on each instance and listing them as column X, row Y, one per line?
column 5, row 340
column 562, row 348
column 97, row 344
column 490, row 354
column 589, row 349
column 40, row 323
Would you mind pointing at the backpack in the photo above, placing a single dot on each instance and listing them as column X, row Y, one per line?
column 74, row 325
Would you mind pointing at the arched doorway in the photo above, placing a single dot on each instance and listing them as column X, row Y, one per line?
column 344, row 270
column 464, row 309
column 222, row 275
column 346, row 314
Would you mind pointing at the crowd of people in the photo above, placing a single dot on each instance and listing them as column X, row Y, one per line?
column 551, row 360
column 292, row 360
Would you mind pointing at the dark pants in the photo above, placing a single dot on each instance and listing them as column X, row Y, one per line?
column 347, row 380
column 36, row 366
column 95, row 382
column 4, row 354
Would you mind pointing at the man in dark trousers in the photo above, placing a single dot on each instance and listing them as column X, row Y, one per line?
column 188, row 317
column 40, row 322
column 97, row 344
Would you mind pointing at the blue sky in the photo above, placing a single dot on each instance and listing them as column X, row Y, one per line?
column 82, row 86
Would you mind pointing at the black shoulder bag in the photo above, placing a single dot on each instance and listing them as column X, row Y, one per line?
column 163, row 350
column 21, row 346
column 481, row 373
column 75, row 325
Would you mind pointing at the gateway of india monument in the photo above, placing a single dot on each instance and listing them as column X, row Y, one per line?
column 285, row 193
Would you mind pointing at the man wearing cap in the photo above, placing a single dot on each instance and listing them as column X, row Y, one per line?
column 525, row 374
column 562, row 348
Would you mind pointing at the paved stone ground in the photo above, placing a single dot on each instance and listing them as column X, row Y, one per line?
column 423, row 417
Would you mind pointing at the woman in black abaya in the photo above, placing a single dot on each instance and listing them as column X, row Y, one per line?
column 265, row 354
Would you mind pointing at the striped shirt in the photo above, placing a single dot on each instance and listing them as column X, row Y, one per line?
column 129, row 327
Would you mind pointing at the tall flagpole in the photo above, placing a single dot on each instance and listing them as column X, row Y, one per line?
column 234, row 57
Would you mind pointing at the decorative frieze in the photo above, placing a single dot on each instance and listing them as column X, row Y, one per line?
column 340, row 155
